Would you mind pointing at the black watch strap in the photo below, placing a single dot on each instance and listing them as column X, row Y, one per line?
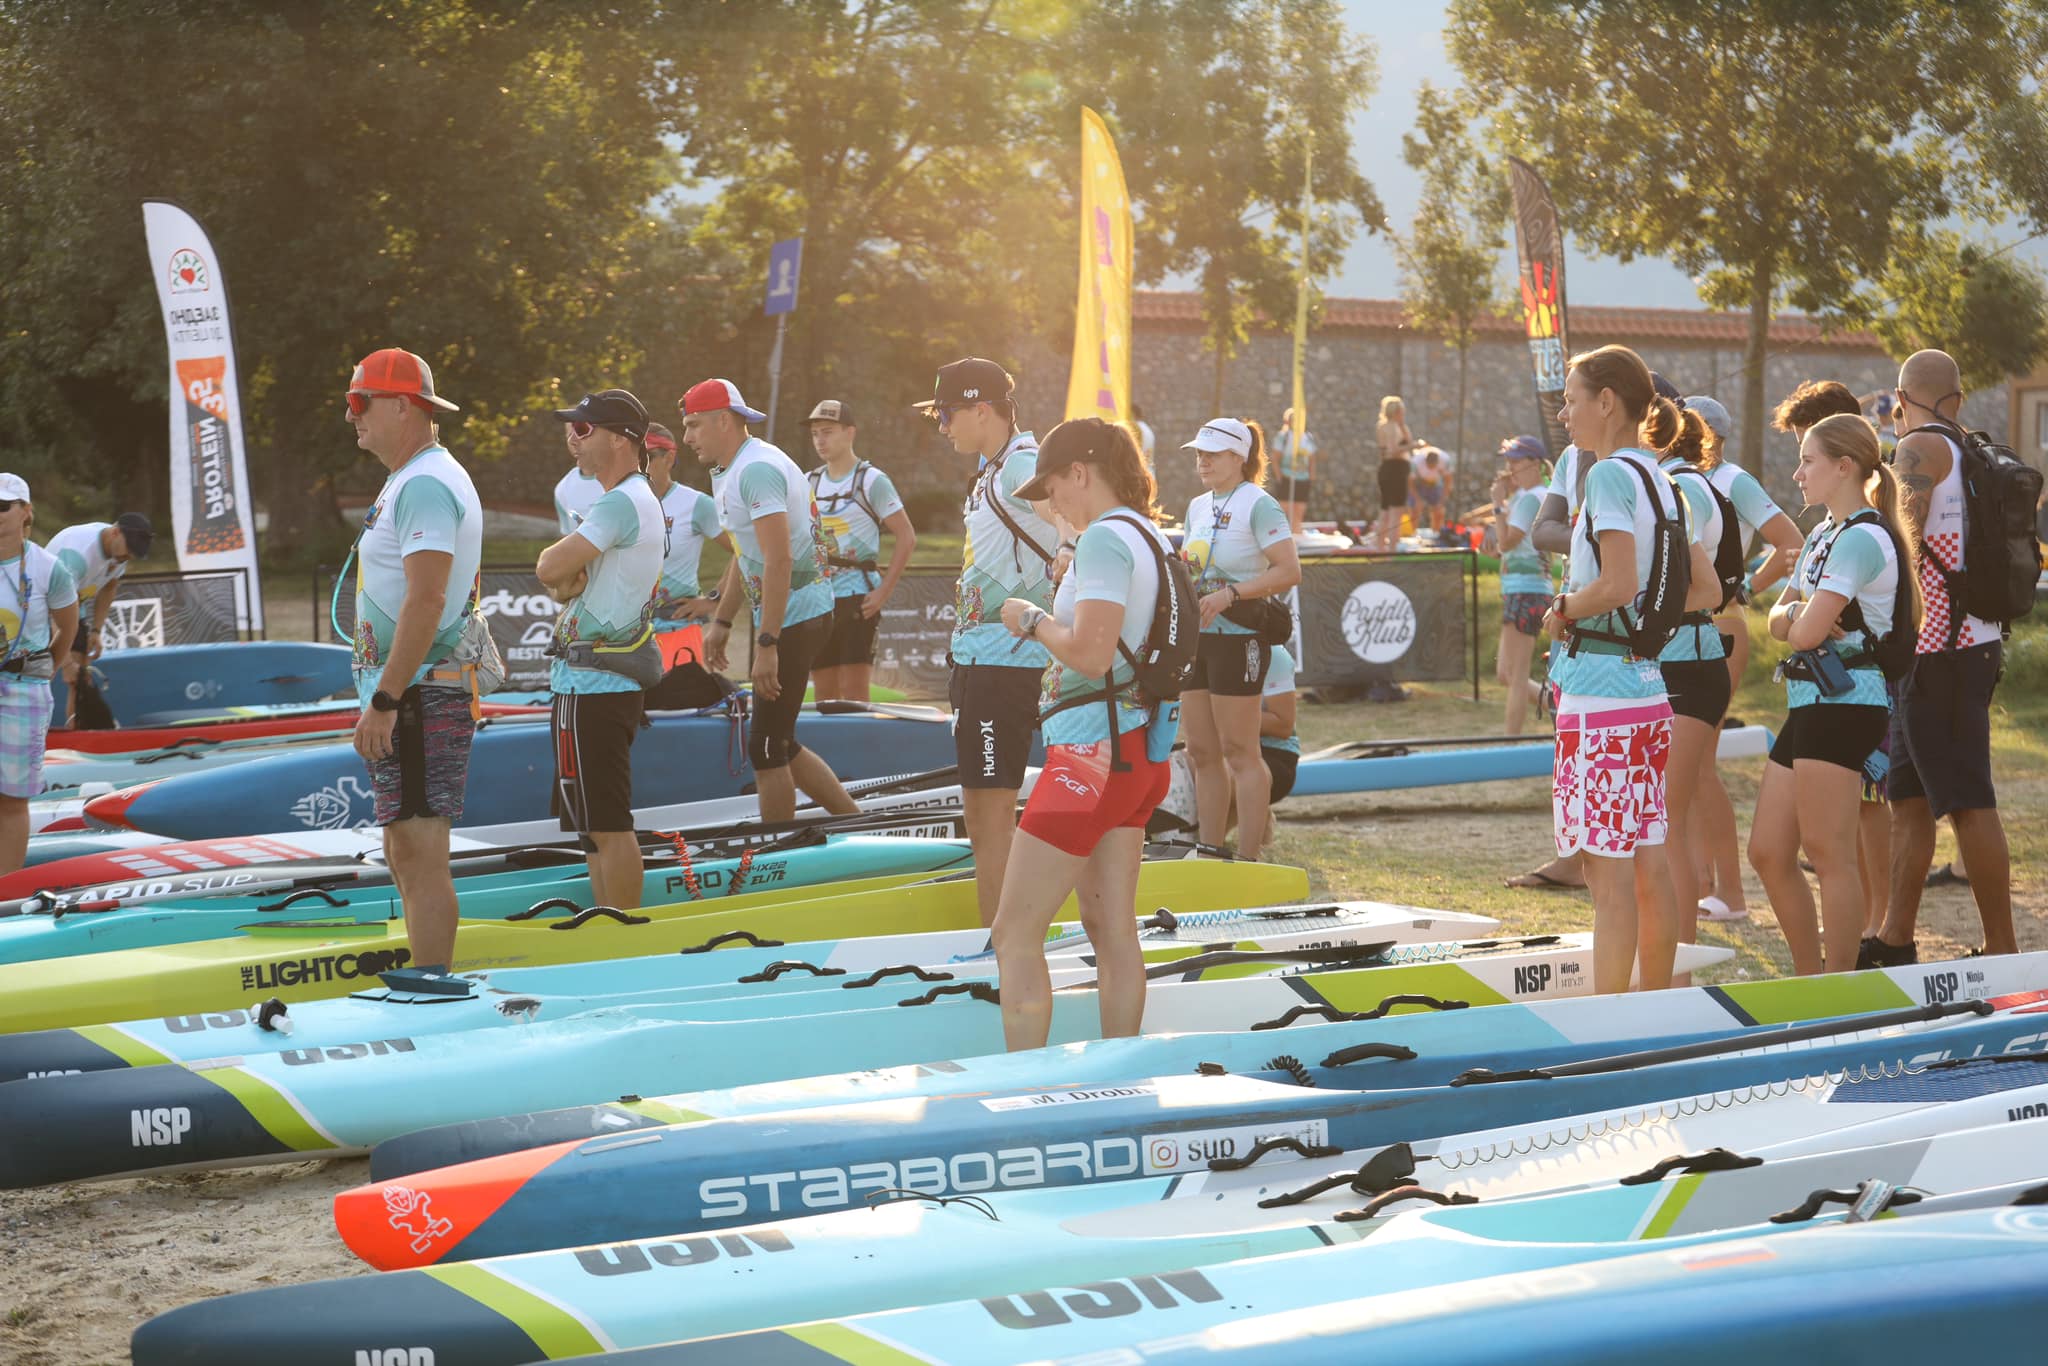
column 768, row 640
column 383, row 701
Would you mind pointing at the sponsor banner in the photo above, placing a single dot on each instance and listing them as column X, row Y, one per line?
column 519, row 610
column 1402, row 619
column 915, row 633
column 1539, row 256
column 1099, row 377
column 213, row 521
column 174, row 609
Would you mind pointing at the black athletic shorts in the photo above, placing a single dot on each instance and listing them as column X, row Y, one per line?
column 852, row 640
column 1230, row 666
column 594, row 734
column 1285, row 490
column 771, row 734
column 1941, row 730
column 1281, row 763
column 1834, row 733
column 995, row 714
column 1698, row 688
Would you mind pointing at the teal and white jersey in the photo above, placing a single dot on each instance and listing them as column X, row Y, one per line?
column 1525, row 569
column 78, row 549
column 854, row 532
column 1753, row 506
column 625, row 525
column 1227, row 540
column 31, row 585
column 689, row 519
column 760, row 482
column 1861, row 565
column 1279, row 682
column 428, row 503
column 1111, row 564
column 1293, row 465
column 1614, row 502
column 1703, row 525
column 574, row 493
column 994, row 566
column 1565, row 483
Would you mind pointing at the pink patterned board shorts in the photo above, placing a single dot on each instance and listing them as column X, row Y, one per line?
column 1607, row 786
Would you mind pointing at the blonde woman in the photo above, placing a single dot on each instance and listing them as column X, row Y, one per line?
column 1854, row 582
column 1397, row 444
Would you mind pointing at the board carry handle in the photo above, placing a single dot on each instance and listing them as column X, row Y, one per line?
column 319, row 893
column 553, row 903
column 1373, row 1207
column 775, row 970
column 582, row 918
column 1273, row 1145
column 1821, row 1199
column 901, row 969
column 980, row 991
column 1388, row 1169
column 733, row 937
column 1360, row 1052
column 1378, row 1012
column 1712, row 1160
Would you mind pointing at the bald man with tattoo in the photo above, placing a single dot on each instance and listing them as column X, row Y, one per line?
column 1941, row 712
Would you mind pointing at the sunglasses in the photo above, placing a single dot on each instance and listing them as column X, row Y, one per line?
column 10, row 504
column 944, row 416
column 359, row 401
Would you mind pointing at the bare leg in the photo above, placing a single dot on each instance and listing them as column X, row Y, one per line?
column 1213, row 788
column 777, row 788
column 1715, row 850
column 1826, row 797
column 1295, row 511
column 1512, row 668
column 1614, row 921
column 1236, row 722
column 1692, row 748
column 855, row 681
column 1912, row 856
column 1108, row 893
column 991, row 825
column 1980, row 840
column 616, row 871
column 13, row 834
column 1658, row 923
column 829, row 684
column 1874, row 861
column 417, row 851
column 818, row 782
column 1774, row 839
column 1028, row 903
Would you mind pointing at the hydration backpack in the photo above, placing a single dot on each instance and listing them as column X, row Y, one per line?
column 1660, row 607
column 1161, row 665
column 1730, row 567
column 1893, row 651
column 2001, row 550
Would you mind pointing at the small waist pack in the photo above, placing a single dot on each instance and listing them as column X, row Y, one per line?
column 1268, row 619
column 638, row 660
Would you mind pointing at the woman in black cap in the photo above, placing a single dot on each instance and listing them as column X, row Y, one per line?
column 1084, row 828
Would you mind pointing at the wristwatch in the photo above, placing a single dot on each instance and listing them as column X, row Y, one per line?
column 383, row 701
column 767, row 640
column 1034, row 619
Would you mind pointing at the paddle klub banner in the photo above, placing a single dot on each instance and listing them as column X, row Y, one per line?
column 1539, row 254
column 213, row 521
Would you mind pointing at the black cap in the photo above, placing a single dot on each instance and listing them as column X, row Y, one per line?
column 136, row 531
column 1077, row 441
column 832, row 410
column 969, row 380
column 612, row 408
column 1666, row 389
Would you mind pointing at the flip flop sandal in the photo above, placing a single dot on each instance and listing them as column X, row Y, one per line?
column 1714, row 909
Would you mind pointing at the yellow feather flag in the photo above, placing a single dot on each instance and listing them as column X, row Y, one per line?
column 1099, row 384
column 1300, row 420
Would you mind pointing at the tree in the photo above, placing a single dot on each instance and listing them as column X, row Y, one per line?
column 1772, row 149
column 1215, row 103
column 466, row 178
column 1449, row 266
column 1981, row 306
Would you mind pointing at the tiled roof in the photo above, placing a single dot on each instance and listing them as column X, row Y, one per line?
column 1587, row 320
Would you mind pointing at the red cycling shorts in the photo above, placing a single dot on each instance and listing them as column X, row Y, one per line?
column 1079, row 799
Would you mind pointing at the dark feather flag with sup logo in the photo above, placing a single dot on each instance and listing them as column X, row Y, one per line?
column 1539, row 253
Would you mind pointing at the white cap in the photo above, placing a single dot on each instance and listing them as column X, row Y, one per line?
column 1222, row 434
column 15, row 487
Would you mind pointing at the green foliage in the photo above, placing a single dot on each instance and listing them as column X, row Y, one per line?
column 1985, row 308
column 1772, row 148
column 1449, row 266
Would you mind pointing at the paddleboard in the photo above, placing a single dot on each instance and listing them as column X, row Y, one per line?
column 140, row 683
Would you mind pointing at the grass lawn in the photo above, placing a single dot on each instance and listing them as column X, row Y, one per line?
column 1450, row 847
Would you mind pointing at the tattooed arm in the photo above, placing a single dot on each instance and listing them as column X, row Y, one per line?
column 1922, row 462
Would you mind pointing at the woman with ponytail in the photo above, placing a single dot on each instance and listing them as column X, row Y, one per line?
column 1853, row 586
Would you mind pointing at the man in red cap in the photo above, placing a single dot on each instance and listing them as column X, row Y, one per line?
column 764, row 502
column 416, row 562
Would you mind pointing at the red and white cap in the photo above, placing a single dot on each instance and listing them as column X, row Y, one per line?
column 716, row 396
column 393, row 371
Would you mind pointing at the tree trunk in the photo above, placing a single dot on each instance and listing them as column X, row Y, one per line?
column 1222, row 362
column 1754, row 352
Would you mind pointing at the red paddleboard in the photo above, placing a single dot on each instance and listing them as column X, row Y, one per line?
column 186, row 856
column 338, row 722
